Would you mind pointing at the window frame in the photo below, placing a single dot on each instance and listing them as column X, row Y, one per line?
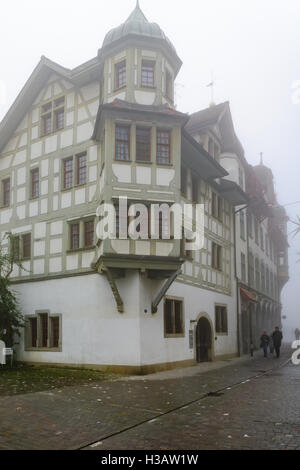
column 5, row 192
column 50, row 110
column 120, row 141
column 120, row 71
column 37, row 318
column 151, row 70
column 33, row 182
column 143, row 143
column 224, row 330
column 173, row 301
column 162, row 146
column 217, row 257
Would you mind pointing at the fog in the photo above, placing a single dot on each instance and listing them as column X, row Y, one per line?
column 252, row 47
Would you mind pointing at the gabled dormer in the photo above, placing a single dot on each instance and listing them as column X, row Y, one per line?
column 139, row 62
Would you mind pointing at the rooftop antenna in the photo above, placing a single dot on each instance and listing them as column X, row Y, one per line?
column 211, row 85
column 261, row 159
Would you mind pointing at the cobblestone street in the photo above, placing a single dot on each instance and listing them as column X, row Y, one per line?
column 249, row 408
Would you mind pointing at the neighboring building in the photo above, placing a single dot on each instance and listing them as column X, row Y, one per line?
column 109, row 130
column 261, row 247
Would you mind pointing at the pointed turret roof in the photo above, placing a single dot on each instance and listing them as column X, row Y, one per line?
column 138, row 27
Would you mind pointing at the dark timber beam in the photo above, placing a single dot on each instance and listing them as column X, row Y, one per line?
column 163, row 290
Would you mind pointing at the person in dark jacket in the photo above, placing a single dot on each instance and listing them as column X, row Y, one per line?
column 264, row 343
column 277, row 340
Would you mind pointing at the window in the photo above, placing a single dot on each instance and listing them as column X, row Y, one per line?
column 250, row 227
column 256, row 231
column 81, row 169
column 53, row 116
column 68, row 173
column 15, row 247
column 26, row 246
column 263, row 277
column 148, row 72
column 221, row 320
column 267, row 244
column 251, row 269
column 216, row 258
column 74, row 166
column 242, row 226
column 163, row 147
column 6, row 192
column 262, row 239
column 169, row 86
column 122, row 143
column 143, row 145
column 82, row 234
column 257, row 274
column 35, row 183
column 75, row 236
column 173, row 318
column 89, row 233
column 43, row 331
column 216, row 206
column 243, row 267
column 120, row 75
column 55, row 332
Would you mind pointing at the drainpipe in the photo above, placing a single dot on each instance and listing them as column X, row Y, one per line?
column 237, row 286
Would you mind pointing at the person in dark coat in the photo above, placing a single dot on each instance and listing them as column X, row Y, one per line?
column 264, row 343
column 277, row 340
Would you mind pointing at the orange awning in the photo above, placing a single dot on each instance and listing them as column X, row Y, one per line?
column 248, row 295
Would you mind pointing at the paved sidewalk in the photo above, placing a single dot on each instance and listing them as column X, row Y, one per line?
column 75, row 417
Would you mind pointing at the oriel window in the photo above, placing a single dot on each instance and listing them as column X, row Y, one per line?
column 148, row 73
column 143, row 145
column 122, row 143
column 163, row 147
column 35, row 183
column 120, row 75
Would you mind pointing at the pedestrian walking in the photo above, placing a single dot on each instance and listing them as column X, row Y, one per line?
column 277, row 340
column 264, row 343
column 297, row 334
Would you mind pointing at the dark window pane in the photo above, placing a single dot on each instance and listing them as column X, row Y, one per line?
column 122, row 143
column 44, row 327
column 47, row 124
column 143, row 145
column 148, row 68
column 68, row 173
column 178, row 317
column 35, row 177
column 120, row 74
column 59, row 119
column 6, row 192
column 89, row 233
column 81, row 169
column 55, row 331
column 75, row 237
column 163, row 147
column 168, row 317
column 26, row 246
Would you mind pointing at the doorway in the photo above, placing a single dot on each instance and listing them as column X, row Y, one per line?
column 204, row 340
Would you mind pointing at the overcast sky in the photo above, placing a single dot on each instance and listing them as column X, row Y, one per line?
column 252, row 46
